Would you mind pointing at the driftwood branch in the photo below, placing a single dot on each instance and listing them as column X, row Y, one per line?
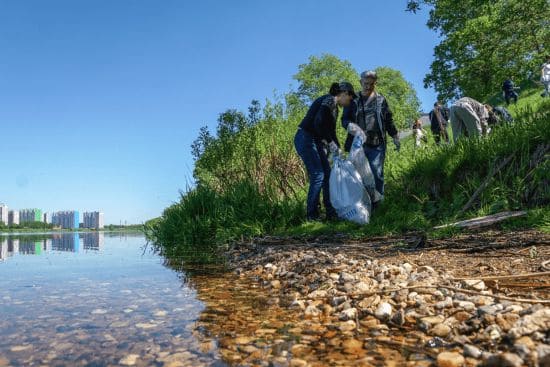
column 484, row 221
column 501, row 277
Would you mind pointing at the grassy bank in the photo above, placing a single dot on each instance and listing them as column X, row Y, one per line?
column 425, row 187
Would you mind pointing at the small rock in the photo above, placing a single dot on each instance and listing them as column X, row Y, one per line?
column 160, row 313
column 492, row 332
column 99, row 311
column 522, row 350
column 440, row 330
column 352, row 346
column 347, row 325
column 476, row 284
column 448, row 302
column 543, row 352
column 514, row 308
column 336, row 301
column 346, row 277
column 527, row 341
column 362, row 287
column 20, row 348
column 275, row 284
column 249, row 349
column 297, row 362
column 489, row 310
column 504, row 360
column 433, row 320
column 145, row 325
column 383, row 311
column 349, row 314
column 298, row 304
column 129, row 360
column 466, row 305
column 311, row 311
column 450, row 359
column 399, row 318
column 471, row 351
column 407, row 267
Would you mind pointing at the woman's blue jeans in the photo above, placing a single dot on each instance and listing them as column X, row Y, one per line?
column 318, row 169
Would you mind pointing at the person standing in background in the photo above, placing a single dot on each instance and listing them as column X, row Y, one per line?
column 438, row 123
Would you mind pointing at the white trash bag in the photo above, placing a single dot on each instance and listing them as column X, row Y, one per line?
column 347, row 193
column 361, row 164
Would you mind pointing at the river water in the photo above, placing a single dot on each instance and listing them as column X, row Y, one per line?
column 95, row 299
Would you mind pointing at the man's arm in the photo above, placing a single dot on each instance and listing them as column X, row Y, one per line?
column 387, row 116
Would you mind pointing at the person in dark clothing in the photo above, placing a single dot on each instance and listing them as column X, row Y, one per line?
column 509, row 91
column 438, row 122
column 370, row 117
column 499, row 115
column 316, row 132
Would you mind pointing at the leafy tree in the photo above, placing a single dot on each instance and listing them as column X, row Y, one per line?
column 316, row 76
column 400, row 95
column 201, row 143
column 484, row 42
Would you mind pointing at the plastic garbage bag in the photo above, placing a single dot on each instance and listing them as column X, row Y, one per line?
column 361, row 164
column 347, row 192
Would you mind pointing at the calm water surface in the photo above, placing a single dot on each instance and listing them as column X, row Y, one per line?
column 94, row 299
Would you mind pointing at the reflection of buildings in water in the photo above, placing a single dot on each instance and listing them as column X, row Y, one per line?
column 8, row 247
column 30, row 247
column 13, row 246
column 92, row 240
column 66, row 242
column 3, row 249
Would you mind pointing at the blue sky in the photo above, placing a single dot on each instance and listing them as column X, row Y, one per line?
column 100, row 100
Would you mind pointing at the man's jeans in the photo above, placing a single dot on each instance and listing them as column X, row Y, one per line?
column 376, row 157
column 318, row 170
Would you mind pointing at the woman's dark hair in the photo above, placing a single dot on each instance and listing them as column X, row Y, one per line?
column 334, row 89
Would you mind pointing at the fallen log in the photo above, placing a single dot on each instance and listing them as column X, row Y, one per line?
column 484, row 221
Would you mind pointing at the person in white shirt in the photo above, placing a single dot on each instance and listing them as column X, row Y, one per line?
column 545, row 77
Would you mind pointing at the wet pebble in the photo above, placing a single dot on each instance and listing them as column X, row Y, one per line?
column 450, row 359
column 472, row 351
column 440, row 330
column 504, row 360
column 129, row 360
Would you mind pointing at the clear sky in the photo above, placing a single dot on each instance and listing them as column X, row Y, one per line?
column 100, row 100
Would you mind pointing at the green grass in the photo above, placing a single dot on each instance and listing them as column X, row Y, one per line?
column 424, row 188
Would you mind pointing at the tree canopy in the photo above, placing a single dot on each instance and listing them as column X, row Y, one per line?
column 484, row 42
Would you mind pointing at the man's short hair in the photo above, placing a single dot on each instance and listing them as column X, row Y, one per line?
column 369, row 74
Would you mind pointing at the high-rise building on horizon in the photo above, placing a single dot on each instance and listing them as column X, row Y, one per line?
column 68, row 219
column 4, row 213
column 30, row 215
column 93, row 220
column 13, row 217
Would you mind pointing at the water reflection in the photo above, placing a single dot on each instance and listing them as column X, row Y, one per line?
column 40, row 244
